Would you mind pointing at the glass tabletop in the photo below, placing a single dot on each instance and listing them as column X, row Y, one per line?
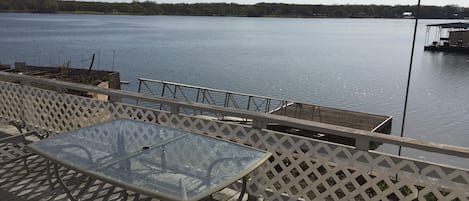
column 162, row 162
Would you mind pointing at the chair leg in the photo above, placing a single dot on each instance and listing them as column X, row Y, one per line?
column 243, row 189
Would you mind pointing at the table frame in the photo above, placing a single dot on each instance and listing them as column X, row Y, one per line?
column 93, row 176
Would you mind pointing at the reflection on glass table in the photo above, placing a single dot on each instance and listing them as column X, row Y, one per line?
column 158, row 161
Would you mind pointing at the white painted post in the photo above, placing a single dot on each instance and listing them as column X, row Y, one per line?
column 362, row 144
column 174, row 109
column 259, row 124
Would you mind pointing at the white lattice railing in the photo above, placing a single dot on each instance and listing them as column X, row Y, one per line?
column 300, row 168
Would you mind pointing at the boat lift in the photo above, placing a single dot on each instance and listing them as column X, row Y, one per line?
column 446, row 38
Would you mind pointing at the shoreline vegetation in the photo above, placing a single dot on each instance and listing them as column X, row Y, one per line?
column 234, row 10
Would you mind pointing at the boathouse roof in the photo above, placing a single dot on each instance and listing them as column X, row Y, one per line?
column 456, row 25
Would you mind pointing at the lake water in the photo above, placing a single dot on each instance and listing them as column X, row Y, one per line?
column 355, row 64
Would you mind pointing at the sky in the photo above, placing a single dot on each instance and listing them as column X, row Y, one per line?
column 464, row 3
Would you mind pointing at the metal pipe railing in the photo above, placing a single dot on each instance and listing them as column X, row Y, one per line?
column 226, row 98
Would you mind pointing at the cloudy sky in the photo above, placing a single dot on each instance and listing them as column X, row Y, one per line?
column 464, row 3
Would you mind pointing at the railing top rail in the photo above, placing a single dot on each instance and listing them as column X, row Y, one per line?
column 359, row 135
column 210, row 89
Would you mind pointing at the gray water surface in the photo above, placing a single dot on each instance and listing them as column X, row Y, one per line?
column 355, row 64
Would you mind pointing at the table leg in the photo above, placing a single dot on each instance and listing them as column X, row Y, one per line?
column 25, row 162
column 86, row 187
column 163, row 159
column 243, row 189
column 64, row 186
column 49, row 175
column 124, row 195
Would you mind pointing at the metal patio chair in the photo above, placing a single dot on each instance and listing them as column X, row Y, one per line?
column 12, row 147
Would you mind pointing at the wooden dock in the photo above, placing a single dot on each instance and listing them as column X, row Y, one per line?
column 263, row 104
column 101, row 78
column 334, row 116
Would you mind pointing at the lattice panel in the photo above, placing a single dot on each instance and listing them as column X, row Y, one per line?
column 313, row 170
column 60, row 112
column 300, row 168
column 11, row 99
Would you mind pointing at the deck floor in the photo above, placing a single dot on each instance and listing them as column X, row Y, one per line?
column 17, row 183
column 26, row 180
column 20, row 182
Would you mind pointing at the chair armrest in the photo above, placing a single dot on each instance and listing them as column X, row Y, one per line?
column 19, row 138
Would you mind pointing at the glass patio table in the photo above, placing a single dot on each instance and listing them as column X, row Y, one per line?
column 161, row 162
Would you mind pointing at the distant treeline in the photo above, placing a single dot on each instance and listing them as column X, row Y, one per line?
column 225, row 9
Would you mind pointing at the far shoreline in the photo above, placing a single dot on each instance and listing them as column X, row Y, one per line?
column 269, row 10
column 143, row 15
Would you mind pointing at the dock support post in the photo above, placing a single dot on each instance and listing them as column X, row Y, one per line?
column 259, row 124
column 174, row 109
column 139, row 91
column 362, row 144
column 162, row 94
